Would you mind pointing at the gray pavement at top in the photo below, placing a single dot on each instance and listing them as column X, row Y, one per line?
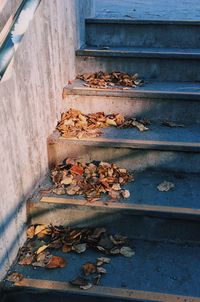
column 149, row 9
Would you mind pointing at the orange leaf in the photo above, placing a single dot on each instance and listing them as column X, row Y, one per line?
column 77, row 170
column 56, row 262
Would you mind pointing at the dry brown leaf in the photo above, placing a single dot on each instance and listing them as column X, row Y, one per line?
column 66, row 248
column 15, row 277
column 56, row 262
column 31, row 231
column 89, row 268
column 59, row 191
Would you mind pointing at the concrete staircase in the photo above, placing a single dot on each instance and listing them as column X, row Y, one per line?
column 164, row 227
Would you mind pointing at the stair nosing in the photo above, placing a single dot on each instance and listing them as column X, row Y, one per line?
column 80, row 89
column 139, row 209
column 128, row 143
column 137, row 53
column 139, row 22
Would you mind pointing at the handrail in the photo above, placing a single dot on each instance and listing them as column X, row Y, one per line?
column 16, row 31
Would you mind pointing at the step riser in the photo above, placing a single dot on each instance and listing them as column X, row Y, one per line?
column 153, row 109
column 143, row 35
column 134, row 226
column 148, row 68
column 132, row 159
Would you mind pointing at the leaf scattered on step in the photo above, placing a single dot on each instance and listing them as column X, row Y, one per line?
column 172, row 124
column 79, row 248
column 37, row 251
column 126, row 251
column 110, row 80
column 86, row 287
column 30, row 231
column 101, row 270
column 56, row 262
column 15, row 277
column 165, row 186
column 41, row 249
column 103, row 260
column 125, row 193
column 89, row 268
column 91, row 180
column 75, row 124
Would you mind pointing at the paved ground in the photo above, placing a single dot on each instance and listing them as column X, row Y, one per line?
column 149, row 9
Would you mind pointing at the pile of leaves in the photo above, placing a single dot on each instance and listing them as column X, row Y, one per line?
column 90, row 179
column 76, row 124
column 43, row 239
column 110, row 80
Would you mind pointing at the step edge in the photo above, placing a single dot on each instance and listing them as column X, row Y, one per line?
column 137, row 54
column 138, row 21
column 101, row 291
column 139, row 209
column 126, row 143
column 157, row 94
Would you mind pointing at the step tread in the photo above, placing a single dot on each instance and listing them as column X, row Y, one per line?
column 156, row 267
column 103, row 291
column 170, row 90
column 157, row 137
column 145, row 197
column 138, row 21
column 182, row 53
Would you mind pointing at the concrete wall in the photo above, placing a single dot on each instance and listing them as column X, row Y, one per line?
column 30, row 95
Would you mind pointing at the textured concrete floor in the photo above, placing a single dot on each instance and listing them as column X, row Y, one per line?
column 149, row 9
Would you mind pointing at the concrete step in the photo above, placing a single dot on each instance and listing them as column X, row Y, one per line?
column 142, row 33
column 154, row 64
column 132, row 153
column 181, row 202
column 154, row 100
column 161, row 270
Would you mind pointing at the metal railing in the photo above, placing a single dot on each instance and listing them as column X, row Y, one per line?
column 15, row 32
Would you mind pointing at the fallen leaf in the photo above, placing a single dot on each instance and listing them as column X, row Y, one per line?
column 101, row 270
column 103, row 260
column 42, row 249
column 41, row 229
column 66, row 248
column 56, row 262
column 165, row 186
column 31, row 232
column 125, row 193
column 86, row 287
column 97, row 279
column 15, row 277
column 89, row 268
column 79, row 248
column 127, row 251
column 59, row 191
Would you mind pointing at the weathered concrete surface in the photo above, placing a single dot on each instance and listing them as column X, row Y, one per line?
column 149, row 9
column 7, row 9
column 30, row 107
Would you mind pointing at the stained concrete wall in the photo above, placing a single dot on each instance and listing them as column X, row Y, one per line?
column 30, row 95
